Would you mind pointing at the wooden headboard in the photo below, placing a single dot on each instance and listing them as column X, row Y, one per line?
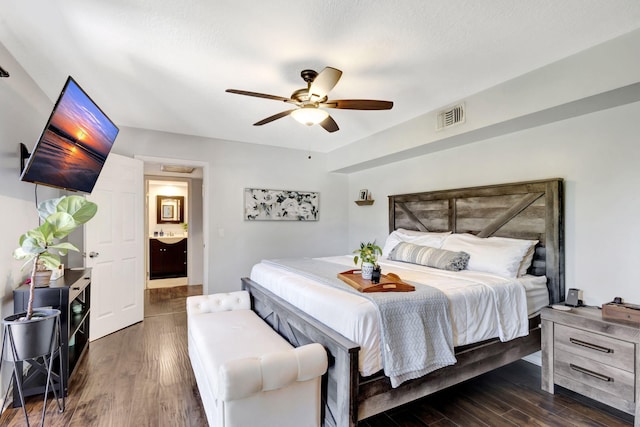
column 525, row 210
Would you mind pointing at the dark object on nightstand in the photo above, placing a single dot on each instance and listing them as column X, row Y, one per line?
column 621, row 311
column 574, row 297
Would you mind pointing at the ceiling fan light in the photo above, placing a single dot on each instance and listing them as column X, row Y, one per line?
column 309, row 115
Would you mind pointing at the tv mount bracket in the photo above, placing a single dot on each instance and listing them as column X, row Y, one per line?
column 24, row 156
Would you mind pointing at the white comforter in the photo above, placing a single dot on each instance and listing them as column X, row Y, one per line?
column 482, row 305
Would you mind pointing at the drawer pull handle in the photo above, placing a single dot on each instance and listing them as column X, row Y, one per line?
column 590, row 346
column 591, row 373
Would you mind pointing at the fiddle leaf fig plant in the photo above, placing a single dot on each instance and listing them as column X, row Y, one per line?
column 368, row 252
column 39, row 246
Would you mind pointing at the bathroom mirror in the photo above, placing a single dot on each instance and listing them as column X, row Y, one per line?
column 170, row 209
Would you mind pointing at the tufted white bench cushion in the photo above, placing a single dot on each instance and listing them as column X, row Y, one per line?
column 246, row 373
column 218, row 302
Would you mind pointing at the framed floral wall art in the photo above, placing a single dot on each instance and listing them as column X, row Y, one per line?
column 280, row 205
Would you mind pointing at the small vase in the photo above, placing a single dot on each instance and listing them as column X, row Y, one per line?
column 367, row 270
column 42, row 278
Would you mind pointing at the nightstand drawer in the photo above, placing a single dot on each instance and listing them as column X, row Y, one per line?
column 599, row 348
column 604, row 377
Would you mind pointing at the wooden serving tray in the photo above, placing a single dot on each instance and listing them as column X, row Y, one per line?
column 388, row 282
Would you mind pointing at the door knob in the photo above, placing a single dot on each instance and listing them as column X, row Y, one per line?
column 93, row 254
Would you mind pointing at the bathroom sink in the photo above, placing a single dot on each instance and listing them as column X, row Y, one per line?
column 169, row 240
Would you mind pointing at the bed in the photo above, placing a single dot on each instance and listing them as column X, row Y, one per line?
column 351, row 390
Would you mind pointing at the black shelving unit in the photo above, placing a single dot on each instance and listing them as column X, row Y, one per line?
column 71, row 294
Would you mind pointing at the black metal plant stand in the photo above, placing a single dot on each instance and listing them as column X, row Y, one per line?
column 36, row 342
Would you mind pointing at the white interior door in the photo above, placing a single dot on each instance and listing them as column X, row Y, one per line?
column 114, row 247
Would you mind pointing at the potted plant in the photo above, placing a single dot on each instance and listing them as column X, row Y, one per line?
column 33, row 335
column 59, row 217
column 368, row 256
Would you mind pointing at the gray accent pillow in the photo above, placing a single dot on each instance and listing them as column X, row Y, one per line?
column 431, row 257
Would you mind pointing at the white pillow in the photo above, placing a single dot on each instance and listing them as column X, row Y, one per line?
column 422, row 238
column 496, row 255
column 526, row 261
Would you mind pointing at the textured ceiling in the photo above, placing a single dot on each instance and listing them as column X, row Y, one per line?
column 164, row 64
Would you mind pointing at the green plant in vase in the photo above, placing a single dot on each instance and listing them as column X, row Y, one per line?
column 39, row 246
column 368, row 256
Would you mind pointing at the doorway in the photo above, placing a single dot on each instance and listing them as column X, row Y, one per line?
column 168, row 213
column 170, row 178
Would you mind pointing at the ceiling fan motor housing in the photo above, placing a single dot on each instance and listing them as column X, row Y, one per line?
column 308, row 75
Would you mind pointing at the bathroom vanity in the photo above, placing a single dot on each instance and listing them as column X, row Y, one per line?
column 167, row 257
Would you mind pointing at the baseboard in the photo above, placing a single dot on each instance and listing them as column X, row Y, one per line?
column 167, row 283
column 535, row 358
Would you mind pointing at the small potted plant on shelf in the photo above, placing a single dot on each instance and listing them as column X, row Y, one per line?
column 368, row 256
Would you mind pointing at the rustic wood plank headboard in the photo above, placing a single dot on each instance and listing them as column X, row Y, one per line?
column 525, row 210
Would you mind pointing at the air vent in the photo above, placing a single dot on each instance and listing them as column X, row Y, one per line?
column 451, row 117
column 177, row 168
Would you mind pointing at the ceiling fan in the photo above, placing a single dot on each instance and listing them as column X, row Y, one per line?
column 311, row 100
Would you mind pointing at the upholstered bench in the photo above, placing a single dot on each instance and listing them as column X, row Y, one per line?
column 247, row 374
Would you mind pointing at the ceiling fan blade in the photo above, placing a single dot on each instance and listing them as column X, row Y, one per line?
column 261, row 95
column 329, row 124
column 358, row 104
column 274, row 117
column 323, row 83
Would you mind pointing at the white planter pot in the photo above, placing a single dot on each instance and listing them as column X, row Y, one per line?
column 367, row 270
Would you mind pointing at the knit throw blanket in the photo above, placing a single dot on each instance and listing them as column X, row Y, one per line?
column 416, row 333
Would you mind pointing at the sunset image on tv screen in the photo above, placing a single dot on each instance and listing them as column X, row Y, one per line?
column 74, row 145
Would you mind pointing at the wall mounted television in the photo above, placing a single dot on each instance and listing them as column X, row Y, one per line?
column 74, row 145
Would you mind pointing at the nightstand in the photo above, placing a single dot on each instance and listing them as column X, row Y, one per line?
column 592, row 356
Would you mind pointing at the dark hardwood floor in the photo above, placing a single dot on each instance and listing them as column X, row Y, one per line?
column 141, row 376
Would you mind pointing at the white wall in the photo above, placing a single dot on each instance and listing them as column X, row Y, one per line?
column 24, row 110
column 196, row 242
column 601, row 77
column 235, row 244
column 597, row 154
